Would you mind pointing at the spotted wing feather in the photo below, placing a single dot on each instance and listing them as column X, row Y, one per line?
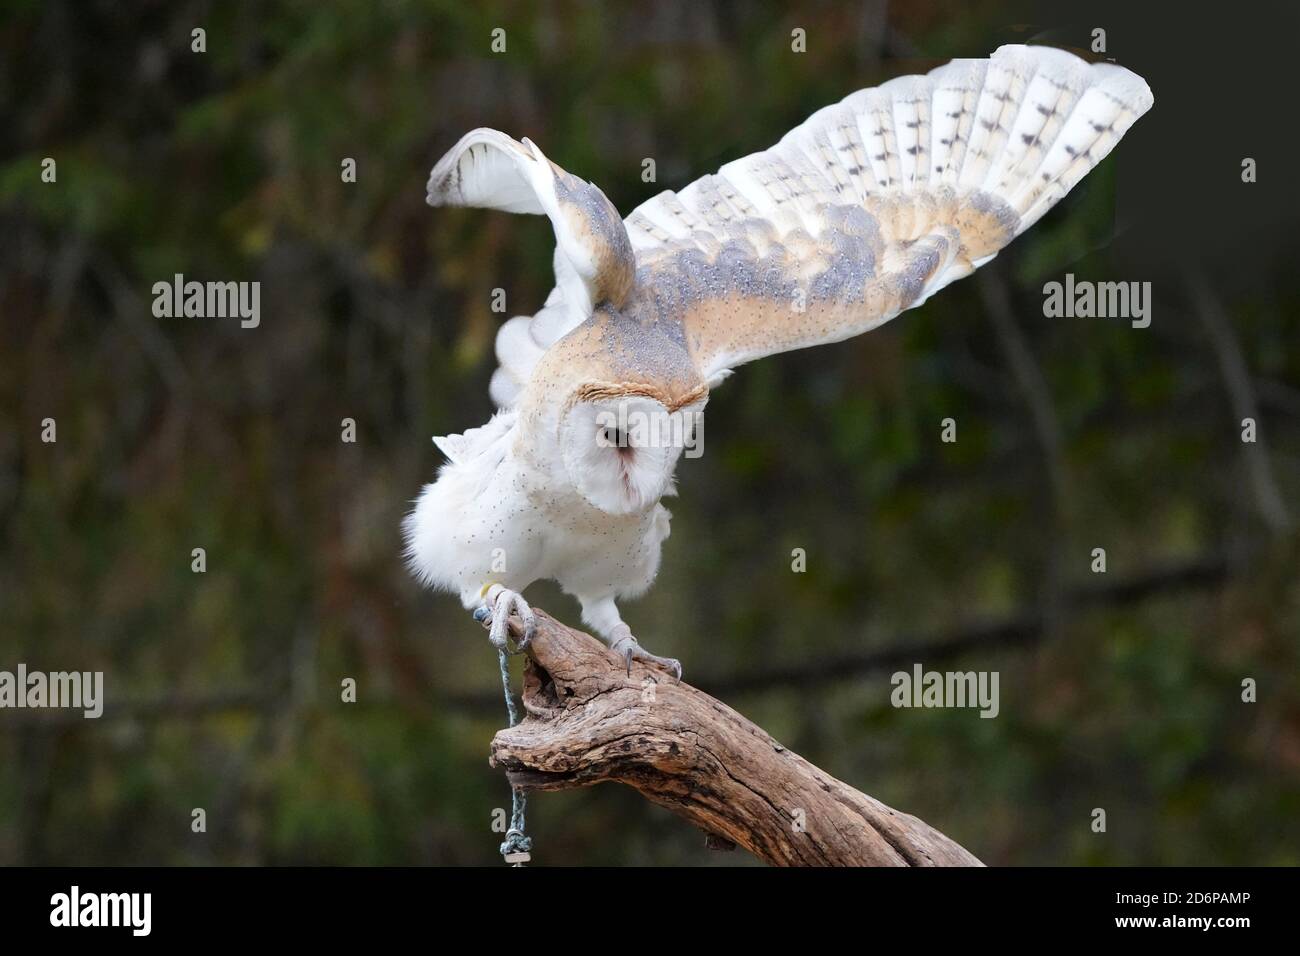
column 877, row 202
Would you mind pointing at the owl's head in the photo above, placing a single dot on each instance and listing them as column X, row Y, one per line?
column 620, row 444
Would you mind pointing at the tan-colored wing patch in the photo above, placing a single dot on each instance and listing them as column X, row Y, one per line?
column 747, row 299
column 875, row 203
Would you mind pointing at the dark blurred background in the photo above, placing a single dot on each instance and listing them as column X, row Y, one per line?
column 1118, row 690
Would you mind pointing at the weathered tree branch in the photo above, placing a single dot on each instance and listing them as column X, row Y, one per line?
column 588, row 722
column 1240, row 386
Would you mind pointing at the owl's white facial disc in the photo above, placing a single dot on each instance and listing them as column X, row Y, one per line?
column 620, row 453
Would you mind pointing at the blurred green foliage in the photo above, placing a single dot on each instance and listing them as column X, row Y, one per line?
column 177, row 434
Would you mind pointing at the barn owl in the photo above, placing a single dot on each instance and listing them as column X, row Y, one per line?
column 865, row 210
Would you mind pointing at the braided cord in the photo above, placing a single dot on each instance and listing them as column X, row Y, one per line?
column 515, row 841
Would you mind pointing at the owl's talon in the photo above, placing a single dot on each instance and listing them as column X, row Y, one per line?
column 481, row 613
column 627, row 645
column 499, row 603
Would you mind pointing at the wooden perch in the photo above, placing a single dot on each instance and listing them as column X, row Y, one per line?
column 587, row 722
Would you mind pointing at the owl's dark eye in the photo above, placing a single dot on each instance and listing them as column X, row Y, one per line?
column 615, row 438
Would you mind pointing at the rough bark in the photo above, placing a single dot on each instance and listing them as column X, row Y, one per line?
column 588, row 722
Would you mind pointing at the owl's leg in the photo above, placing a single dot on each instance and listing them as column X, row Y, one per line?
column 602, row 614
column 498, row 604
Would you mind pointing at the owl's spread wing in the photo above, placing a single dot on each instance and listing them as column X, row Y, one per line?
column 593, row 258
column 875, row 203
